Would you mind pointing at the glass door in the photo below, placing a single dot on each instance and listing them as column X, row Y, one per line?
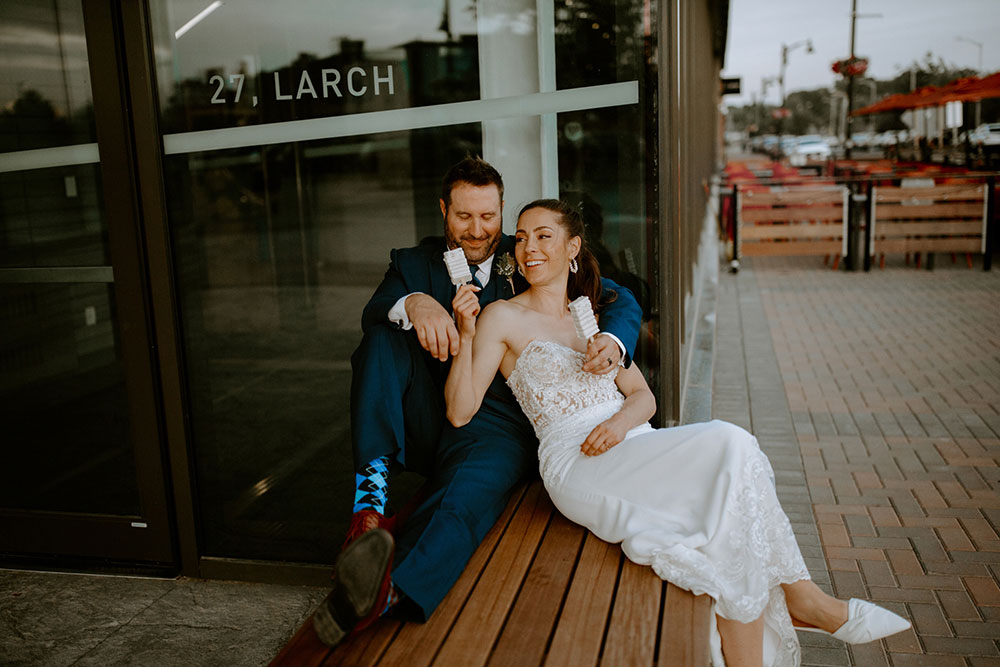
column 82, row 473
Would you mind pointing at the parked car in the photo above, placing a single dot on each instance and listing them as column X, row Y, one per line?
column 808, row 149
column 987, row 134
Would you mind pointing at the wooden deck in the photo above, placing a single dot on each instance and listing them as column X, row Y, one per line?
column 538, row 591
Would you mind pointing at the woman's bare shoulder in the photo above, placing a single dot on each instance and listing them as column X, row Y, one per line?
column 501, row 318
column 501, row 308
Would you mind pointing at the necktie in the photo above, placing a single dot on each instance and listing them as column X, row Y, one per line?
column 475, row 278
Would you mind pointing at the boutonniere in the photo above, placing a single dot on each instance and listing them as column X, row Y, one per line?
column 505, row 267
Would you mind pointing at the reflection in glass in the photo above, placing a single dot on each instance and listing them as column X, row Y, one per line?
column 279, row 63
column 52, row 217
column 45, row 97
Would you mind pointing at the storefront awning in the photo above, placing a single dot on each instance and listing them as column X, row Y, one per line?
column 967, row 89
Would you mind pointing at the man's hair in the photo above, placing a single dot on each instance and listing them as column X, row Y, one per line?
column 472, row 170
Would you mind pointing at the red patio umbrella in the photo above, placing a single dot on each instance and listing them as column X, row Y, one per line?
column 967, row 89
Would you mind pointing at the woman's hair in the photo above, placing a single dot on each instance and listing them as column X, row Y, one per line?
column 587, row 279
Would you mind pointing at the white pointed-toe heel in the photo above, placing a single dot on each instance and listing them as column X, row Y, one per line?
column 866, row 622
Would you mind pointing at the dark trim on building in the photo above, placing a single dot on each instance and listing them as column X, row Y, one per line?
column 292, row 574
column 668, row 56
column 142, row 98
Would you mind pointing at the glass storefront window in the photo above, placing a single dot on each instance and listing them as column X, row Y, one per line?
column 66, row 440
column 303, row 143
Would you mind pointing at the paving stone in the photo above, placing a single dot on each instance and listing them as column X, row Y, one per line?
column 869, row 654
column 910, row 660
column 929, row 620
column 983, row 590
column 963, row 646
column 972, row 629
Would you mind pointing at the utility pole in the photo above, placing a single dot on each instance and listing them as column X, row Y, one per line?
column 850, row 85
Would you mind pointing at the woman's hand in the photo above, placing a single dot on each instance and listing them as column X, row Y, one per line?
column 604, row 436
column 465, row 305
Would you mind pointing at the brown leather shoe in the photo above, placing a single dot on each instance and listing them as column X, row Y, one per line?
column 360, row 587
column 366, row 520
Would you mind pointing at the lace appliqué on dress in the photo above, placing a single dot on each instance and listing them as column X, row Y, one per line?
column 550, row 385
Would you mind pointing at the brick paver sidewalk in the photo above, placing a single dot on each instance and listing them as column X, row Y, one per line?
column 877, row 397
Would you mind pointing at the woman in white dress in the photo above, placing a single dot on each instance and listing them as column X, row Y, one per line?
column 696, row 503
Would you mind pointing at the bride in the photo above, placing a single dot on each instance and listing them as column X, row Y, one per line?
column 696, row 503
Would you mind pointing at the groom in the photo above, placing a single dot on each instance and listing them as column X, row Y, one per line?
column 397, row 414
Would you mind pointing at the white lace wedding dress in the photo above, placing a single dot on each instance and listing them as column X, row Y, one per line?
column 696, row 503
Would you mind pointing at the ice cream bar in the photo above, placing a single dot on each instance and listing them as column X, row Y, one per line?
column 458, row 268
column 583, row 317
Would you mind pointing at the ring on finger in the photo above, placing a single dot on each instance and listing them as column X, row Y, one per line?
column 610, row 363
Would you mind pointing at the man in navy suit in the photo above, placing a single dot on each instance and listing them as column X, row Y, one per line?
column 397, row 414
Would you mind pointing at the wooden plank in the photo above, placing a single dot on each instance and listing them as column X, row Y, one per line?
column 580, row 629
column 797, row 197
column 807, row 231
column 365, row 649
column 792, row 214
column 304, row 649
column 901, row 212
column 928, row 245
column 526, row 634
column 791, row 248
column 631, row 638
column 417, row 643
column 936, row 193
column 684, row 639
column 936, row 228
column 477, row 628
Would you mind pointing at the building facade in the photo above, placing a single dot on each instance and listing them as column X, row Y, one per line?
column 197, row 199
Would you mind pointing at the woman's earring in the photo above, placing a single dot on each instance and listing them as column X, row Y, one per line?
column 520, row 270
column 573, row 265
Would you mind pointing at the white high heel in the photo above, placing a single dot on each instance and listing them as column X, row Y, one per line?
column 865, row 623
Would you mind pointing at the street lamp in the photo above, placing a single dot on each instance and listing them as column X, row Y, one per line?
column 785, row 50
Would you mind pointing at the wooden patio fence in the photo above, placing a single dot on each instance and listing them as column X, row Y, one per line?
column 811, row 220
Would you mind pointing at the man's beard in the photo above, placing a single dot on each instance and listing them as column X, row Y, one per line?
column 473, row 255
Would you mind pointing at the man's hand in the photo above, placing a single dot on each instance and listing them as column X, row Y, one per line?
column 435, row 329
column 603, row 355
column 604, row 436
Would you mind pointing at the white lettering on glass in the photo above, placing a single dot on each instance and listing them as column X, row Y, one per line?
column 350, row 81
column 238, row 79
column 387, row 79
column 218, row 91
column 331, row 84
column 277, row 89
column 305, row 86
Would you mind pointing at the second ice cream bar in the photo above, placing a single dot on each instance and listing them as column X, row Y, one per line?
column 583, row 317
column 458, row 268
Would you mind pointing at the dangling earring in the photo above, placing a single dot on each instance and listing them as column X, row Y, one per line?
column 520, row 270
column 573, row 265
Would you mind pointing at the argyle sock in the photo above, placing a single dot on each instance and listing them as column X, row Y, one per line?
column 391, row 601
column 372, row 486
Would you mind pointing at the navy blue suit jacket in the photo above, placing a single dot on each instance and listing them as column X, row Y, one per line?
column 422, row 269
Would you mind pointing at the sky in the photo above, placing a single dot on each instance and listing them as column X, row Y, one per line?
column 892, row 34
